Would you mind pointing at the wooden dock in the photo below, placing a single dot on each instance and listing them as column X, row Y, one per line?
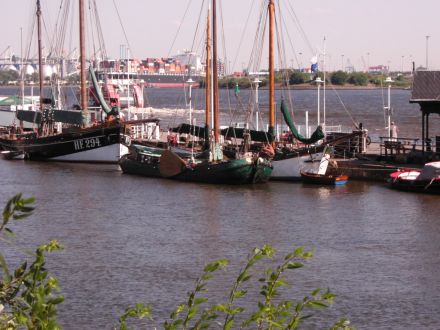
column 379, row 161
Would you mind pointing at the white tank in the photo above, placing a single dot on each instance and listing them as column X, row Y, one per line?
column 10, row 67
column 47, row 71
column 29, row 70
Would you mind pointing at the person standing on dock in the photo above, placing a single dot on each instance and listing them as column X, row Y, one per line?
column 393, row 130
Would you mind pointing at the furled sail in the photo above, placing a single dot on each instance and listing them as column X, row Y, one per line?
column 317, row 135
column 229, row 132
column 98, row 92
column 74, row 117
column 191, row 129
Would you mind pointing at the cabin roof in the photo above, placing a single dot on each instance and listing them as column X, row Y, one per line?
column 426, row 87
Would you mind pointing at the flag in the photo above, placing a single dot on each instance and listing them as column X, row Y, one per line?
column 237, row 90
column 314, row 61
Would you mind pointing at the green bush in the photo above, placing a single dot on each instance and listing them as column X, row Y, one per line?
column 339, row 78
column 358, row 79
column 297, row 78
column 9, row 75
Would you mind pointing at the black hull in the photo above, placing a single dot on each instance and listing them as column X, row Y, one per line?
column 419, row 186
column 69, row 145
column 323, row 179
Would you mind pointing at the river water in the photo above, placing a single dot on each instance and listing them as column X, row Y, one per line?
column 130, row 239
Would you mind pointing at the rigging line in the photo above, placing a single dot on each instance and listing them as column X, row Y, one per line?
column 223, row 39
column 31, row 31
column 180, row 26
column 61, row 41
column 232, row 114
column 54, row 42
column 299, row 26
column 258, row 46
column 256, row 52
column 122, row 26
column 192, row 44
column 241, row 38
column 101, row 39
column 290, row 40
column 92, row 32
column 343, row 105
column 282, row 56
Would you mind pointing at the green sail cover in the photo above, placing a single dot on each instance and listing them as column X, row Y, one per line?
column 317, row 135
column 98, row 92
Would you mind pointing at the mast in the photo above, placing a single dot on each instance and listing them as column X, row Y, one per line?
column 214, row 74
column 324, row 69
column 82, row 45
column 40, row 55
column 22, row 69
column 208, row 78
column 271, row 9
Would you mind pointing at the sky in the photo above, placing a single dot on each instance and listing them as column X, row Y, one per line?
column 363, row 33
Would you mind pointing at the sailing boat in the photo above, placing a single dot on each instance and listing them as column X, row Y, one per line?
column 78, row 141
column 287, row 163
column 212, row 166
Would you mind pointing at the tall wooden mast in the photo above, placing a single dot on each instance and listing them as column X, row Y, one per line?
column 40, row 55
column 82, row 46
column 271, row 9
column 208, row 78
column 214, row 74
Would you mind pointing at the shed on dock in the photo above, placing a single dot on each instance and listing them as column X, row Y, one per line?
column 426, row 92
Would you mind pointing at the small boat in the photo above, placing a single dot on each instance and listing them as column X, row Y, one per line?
column 12, row 155
column 426, row 180
column 323, row 179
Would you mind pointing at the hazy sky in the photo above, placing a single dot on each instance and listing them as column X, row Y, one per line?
column 388, row 32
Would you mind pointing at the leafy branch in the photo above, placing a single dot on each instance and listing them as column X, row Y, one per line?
column 28, row 296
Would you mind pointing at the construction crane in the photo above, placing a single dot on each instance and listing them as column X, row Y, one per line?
column 3, row 54
column 364, row 64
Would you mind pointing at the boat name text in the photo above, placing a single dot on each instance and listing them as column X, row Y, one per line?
column 88, row 143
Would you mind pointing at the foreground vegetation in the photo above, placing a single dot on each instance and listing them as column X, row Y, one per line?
column 29, row 296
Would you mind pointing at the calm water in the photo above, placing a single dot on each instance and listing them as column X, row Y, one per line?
column 130, row 239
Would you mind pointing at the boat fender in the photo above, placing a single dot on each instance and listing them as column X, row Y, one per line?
column 267, row 151
column 172, row 139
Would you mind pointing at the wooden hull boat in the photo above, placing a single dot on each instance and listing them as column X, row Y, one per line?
column 155, row 162
column 323, row 179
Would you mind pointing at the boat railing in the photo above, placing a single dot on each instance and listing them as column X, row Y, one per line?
column 144, row 130
column 333, row 128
